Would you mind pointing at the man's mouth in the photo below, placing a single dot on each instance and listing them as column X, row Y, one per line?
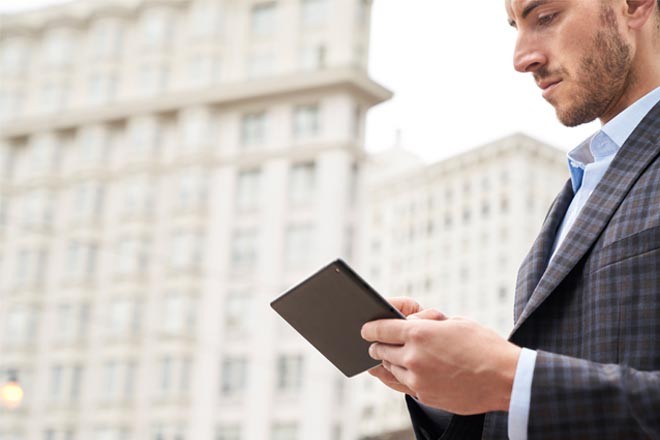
column 548, row 86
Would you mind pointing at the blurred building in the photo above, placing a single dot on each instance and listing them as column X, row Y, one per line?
column 452, row 235
column 167, row 167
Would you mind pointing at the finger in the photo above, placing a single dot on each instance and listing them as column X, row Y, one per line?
column 388, row 331
column 400, row 374
column 389, row 353
column 405, row 305
column 389, row 380
column 429, row 314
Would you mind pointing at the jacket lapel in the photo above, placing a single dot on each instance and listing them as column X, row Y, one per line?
column 633, row 158
column 536, row 260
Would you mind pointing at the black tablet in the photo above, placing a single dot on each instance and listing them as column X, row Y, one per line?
column 329, row 309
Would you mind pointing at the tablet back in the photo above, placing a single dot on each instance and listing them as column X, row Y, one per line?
column 329, row 309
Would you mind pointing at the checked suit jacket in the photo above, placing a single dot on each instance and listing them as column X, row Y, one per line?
column 592, row 313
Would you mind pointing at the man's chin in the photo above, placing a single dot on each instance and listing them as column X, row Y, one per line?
column 573, row 117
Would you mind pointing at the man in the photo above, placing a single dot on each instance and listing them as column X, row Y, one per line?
column 583, row 360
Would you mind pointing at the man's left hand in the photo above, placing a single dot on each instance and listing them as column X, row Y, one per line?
column 453, row 364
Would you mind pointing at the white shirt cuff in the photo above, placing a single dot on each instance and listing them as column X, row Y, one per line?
column 521, row 395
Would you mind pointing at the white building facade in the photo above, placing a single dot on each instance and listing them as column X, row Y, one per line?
column 167, row 167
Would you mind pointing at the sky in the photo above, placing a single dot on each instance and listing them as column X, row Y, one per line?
column 450, row 67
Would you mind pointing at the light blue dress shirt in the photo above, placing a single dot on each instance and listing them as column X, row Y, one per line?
column 587, row 164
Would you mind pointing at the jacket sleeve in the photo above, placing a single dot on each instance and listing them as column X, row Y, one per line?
column 576, row 398
column 424, row 427
column 444, row 427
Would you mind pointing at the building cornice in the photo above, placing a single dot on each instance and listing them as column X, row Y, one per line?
column 351, row 80
column 77, row 15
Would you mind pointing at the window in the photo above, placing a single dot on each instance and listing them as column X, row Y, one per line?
column 11, row 435
column 91, row 146
column 237, row 313
column 106, row 38
column 253, row 129
column 186, row 252
column 263, row 21
column 313, row 57
column 58, row 46
column 65, row 382
column 72, row 321
column 56, row 434
column 306, row 121
column 191, row 192
column 80, row 264
column 37, row 209
column 244, row 250
column 20, row 326
column 195, row 128
column 206, row 18
column 364, row 9
column 14, row 53
column 299, row 245
column 132, row 257
column 86, row 202
column 289, row 373
column 168, row 431
column 11, row 103
column 203, row 69
column 43, row 154
column 302, row 183
column 314, row 12
column 228, row 432
column 285, row 431
column 247, row 191
column 137, row 199
column 143, row 134
column 157, row 28
column 118, row 380
column 102, row 88
column 31, row 267
column 174, row 376
column 233, row 379
column 178, row 316
column 123, row 319
column 106, row 433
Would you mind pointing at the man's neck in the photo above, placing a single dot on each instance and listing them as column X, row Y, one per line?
column 628, row 98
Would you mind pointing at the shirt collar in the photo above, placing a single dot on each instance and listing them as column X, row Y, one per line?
column 610, row 138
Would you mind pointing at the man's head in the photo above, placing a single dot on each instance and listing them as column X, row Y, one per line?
column 592, row 58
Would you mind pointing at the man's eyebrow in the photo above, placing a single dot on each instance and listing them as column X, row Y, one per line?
column 531, row 6
column 528, row 10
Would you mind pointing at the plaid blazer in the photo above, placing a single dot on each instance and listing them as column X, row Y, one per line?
column 593, row 313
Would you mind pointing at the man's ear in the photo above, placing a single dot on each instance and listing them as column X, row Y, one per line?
column 639, row 12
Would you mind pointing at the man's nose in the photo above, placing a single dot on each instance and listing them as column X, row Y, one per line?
column 528, row 56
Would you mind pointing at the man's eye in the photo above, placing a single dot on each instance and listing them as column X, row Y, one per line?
column 545, row 20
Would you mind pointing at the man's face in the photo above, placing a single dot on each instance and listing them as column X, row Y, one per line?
column 576, row 54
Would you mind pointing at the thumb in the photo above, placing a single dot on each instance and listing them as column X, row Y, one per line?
column 433, row 314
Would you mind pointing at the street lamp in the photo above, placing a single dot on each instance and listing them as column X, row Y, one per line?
column 11, row 393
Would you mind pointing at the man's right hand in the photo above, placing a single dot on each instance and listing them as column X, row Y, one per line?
column 412, row 310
